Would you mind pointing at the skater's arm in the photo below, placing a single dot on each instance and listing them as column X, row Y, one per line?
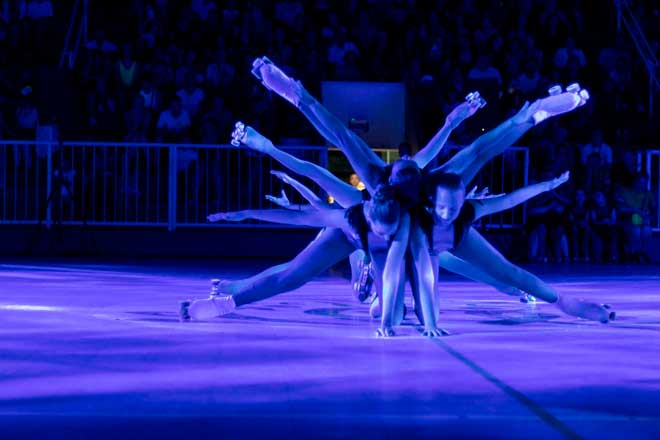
column 283, row 202
column 453, row 120
column 426, row 276
column 311, row 217
column 342, row 192
column 490, row 206
column 304, row 191
column 392, row 274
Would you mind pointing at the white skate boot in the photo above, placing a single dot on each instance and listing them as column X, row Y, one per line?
column 558, row 102
column 274, row 79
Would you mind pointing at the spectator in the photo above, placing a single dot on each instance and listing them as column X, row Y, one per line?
column 191, row 96
column 355, row 182
column 597, row 145
column 101, row 44
column 564, row 54
column 625, row 169
column 596, row 176
column 348, row 70
column 127, row 75
column 174, row 123
column 150, row 96
column 636, row 206
column 529, row 81
column 149, row 29
column 39, row 9
column 485, row 71
column 580, row 230
column 340, row 47
column 546, row 214
column 604, row 233
column 137, row 121
column 203, row 8
column 27, row 119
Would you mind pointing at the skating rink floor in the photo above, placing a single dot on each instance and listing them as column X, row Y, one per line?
column 94, row 349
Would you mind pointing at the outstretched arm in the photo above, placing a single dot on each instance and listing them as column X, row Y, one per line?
column 426, row 277
column 283, row 202
column 342, row 192
column 304, row 191
column 453, row 120
column 311, row 217
column 490, row 206
column 392, row 274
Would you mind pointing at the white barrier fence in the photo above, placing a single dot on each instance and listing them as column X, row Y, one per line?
column 167, row 185
column 133, row 184
column 505, row 173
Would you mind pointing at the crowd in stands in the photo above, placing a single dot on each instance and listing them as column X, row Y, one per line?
column 178, row 71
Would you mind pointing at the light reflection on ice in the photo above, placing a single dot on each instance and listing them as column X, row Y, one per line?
column 30, row 308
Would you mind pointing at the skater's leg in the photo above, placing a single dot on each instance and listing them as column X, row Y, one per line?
column 364, row 161
column 330, row 247
column 367, row 165
column 476, row 250
column 231, row 287
column 470, row 160
column 456, row 265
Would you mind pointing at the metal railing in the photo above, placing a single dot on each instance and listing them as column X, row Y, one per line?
column 503, row 174
column 135, row 184
column 167, row 185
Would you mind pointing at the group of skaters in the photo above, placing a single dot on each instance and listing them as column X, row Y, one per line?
column 409, row 221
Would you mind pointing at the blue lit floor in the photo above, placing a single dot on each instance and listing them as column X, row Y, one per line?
column 96, row 351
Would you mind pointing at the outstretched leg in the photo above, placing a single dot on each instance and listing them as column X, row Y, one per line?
column 458, row 266
column 471, row 159
column 476, row 250
column 330, row 247
column 364, row 161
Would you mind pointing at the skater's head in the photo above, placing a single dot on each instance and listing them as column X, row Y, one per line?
column 383, row 211
column 447, row 194
column 406, row 177
column 580, row 197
